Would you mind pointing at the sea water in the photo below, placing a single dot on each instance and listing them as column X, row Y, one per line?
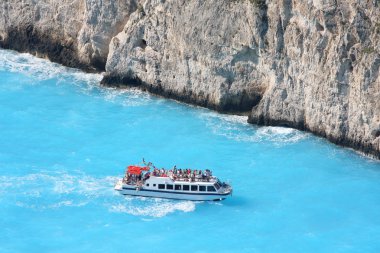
column 65, row 141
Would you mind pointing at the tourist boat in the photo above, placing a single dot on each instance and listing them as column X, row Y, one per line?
column 181, row 184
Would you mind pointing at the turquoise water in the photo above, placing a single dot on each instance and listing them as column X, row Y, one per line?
column 64, row 141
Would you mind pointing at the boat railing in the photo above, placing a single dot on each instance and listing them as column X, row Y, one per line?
column 194, row 179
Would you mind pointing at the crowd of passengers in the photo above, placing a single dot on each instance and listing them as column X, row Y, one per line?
column 183, row 174
column 131, row 178
column 175, row 174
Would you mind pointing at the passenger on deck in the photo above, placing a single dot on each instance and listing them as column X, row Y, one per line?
column 147, row 175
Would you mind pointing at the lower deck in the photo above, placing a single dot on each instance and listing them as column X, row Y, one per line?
column 172, row 194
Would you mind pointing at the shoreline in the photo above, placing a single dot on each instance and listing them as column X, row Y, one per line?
column 122, row 82
column 345, row 143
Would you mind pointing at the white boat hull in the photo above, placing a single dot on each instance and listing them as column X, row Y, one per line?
column 174, row 195
column 182, row 195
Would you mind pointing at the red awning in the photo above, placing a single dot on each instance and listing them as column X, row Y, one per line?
column 136, row 170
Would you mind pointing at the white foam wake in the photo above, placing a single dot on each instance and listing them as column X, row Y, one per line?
column 279, row 134
column 58, row 182
column 152, row 207
column 58, row 189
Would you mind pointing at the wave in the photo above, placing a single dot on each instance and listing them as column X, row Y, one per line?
column 127, row 97
column 54, row 190
column 42, row 69
column 280, row 134
column 152, row 207
column 65, row 203
column 88, row 83
column 58, row 182
column 237, row 128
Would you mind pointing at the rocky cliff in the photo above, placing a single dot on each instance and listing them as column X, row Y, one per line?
column 75, row 33
column 312, row 65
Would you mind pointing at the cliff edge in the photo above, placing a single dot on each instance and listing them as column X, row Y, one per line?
column 312, row 65
column 75, row 33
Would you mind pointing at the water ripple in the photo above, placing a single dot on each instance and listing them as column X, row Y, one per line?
column 152, row 207
column 54, row 190
column 42, row 69
column 237, row 128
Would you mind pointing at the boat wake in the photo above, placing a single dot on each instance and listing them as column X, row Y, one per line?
column 152, row 207
column 54, row 190
column 50, row 190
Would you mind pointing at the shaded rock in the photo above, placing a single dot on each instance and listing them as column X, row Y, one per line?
column 75, row 33
column 312, row 65
column 203, row 52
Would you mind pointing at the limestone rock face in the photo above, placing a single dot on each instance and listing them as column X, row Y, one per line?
column 103, row 20
column 205, row 52
column 313, row 65
column 325, row 71
column 73, row 32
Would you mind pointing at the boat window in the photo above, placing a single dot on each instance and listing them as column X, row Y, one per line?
column 202, row 188
column 194, row 188
column 169, row 187
column 147, row 184
column 185, row 187
column 161, row 186
column 211, row 188
column 217, row 186
column 154, row 185
column 177, row 187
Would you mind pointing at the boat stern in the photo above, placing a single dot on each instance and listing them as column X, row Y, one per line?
column 119, row 185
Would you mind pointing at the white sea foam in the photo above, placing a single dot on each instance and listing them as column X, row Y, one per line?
column 88, row 83
column 230, row 126
column 208, row 114
column 57, row 189
column 65, row 203
column 128, row 97
column 42, row 69
column 152, row 207
column 54, row 190
column 237, row 128
column 280, row 134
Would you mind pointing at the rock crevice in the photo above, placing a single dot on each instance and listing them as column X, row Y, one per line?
column 312, row 65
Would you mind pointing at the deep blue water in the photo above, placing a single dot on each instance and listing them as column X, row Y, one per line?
column 65, row 140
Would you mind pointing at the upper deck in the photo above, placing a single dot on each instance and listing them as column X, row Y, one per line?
column 209, row 181
column 175, row 183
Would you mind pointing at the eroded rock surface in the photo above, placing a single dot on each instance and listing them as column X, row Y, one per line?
column 325, row 71
column 205, row 52
column 312, row 65
column 75, row 33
